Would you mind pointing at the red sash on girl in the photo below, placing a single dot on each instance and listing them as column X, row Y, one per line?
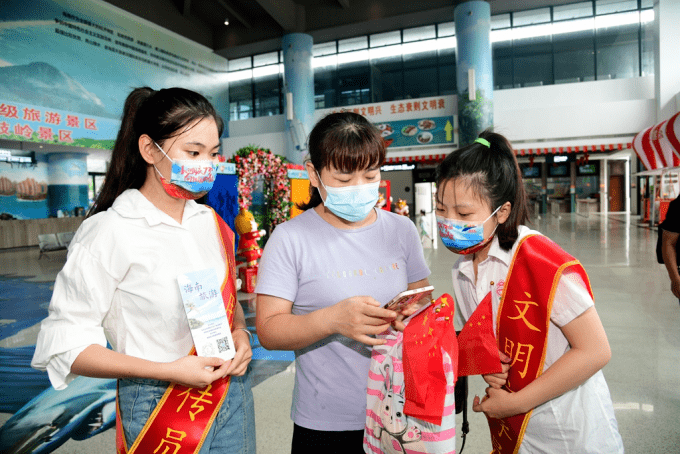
column 183, row 417
column 523, row 324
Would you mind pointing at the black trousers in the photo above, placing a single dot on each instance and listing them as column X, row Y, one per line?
column 306, row 441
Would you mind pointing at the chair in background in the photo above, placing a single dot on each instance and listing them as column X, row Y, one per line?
column 48, row 242
column 65, row 238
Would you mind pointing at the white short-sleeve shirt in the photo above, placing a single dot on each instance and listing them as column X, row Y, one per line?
column 581, row 420
column 119, row 284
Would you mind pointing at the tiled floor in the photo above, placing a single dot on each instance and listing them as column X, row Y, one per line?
column 640, row 315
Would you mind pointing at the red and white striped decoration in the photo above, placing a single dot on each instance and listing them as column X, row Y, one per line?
column 572, row 149
column 420, row 158
column 524, row 152
column 658, row 146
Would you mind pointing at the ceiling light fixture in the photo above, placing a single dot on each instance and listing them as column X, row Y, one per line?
column 226, row 21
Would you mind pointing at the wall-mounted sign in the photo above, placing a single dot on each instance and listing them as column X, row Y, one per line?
column 437, row 106
column 418, row 132
column 296, row 174
column 67, row 66
column 227, row 168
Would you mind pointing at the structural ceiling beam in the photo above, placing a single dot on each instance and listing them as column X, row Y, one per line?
column 286, row 13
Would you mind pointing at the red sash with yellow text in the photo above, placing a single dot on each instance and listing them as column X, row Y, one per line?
column 181, row 420
column 523, row 324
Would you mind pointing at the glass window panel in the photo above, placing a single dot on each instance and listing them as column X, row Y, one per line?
column 573, row 56
column 500, row 21
column 324, row 49
column 502, row 64
column 647, row 47
column 572, row 26
column 532, row 61
column 324, row 87
column 240, row 63
column 420, row 83
column 617, row 52
column 386, row 80
column 345, row 45
column 420, row 74
column 646, row 4
column 244, row 74
column 419, row 47
column 445, row 29
column 354, row 83
column 270, row 58
column 386, row 74
column 267, row 96
column 534, row 16
column 266, row 71
column 615, row 6
column 385, row 39
column 353, row 57
column 418, row 33
column 572, row 11
column 446, row 71
column 327, row 61
column 240, row 100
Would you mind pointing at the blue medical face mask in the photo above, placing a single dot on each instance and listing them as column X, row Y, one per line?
column 352, row 203
column 463, row 237
column 195, row 176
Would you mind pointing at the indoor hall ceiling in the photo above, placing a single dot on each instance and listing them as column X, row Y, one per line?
column 256, row 26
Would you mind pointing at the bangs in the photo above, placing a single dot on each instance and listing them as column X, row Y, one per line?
column 353, row 147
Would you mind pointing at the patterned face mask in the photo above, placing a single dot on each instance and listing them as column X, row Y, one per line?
column 190, row 179
column 352, row 203
column 463, row 237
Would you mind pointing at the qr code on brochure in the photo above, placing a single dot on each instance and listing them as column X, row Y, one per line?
column 223, row 345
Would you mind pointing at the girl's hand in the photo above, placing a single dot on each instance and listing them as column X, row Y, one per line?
column 497, row 381
column 360, row 317
column 239, row 364
column 498, row 403
column 191, row 371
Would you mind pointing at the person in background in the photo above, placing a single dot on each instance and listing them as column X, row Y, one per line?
column 323, row 278
column 119, row 285
column 670, row 244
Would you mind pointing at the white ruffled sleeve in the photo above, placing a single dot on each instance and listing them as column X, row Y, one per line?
column 83, row 294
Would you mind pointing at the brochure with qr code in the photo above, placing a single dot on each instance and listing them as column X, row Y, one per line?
column 206, row 314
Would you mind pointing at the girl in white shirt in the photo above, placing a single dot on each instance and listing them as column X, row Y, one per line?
column 563, row 404
column 119, row 284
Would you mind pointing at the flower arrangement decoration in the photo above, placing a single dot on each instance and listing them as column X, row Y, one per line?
column 253, row 161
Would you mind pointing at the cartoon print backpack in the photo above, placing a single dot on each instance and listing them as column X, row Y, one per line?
column 388, row 429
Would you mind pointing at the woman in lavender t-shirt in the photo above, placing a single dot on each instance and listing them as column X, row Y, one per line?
column 324, row 276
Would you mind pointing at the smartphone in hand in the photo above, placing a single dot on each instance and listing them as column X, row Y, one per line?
column 407, row 297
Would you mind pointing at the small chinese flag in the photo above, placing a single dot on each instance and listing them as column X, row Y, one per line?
column 425, row 337
column 478, row 350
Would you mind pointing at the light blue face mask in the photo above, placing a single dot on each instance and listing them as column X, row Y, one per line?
column 463, row 237
column 195, row 176
column 352, row 203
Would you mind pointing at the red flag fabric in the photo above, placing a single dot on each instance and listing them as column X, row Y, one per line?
column 426, row 336
column 478, row 350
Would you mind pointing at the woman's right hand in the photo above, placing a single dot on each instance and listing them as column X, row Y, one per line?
column 360, row 317
column 497, row 381
column 191, row 371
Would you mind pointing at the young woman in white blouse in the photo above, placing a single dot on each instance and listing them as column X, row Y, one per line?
column 119, row 285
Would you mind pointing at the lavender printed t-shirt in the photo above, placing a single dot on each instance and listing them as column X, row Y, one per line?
column 316, row 265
